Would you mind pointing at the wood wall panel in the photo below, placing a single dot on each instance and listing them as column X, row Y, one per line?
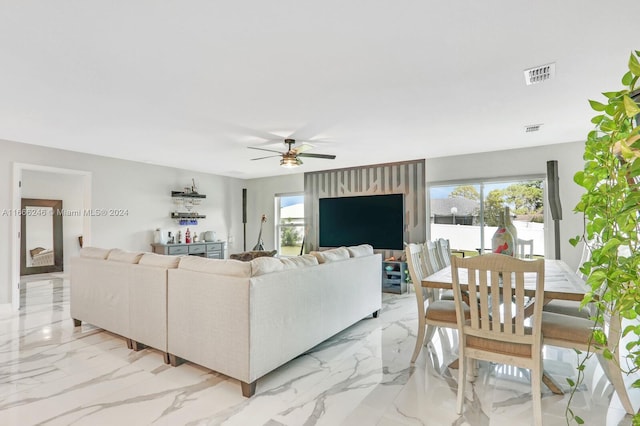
column 407, row 177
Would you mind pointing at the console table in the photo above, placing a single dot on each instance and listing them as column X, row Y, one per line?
column 212, row 250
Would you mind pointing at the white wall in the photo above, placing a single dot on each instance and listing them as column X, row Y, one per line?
column 142, row 190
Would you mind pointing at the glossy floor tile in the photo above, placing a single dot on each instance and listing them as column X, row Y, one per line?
column 52, row 373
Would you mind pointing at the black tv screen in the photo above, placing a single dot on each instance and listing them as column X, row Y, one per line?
column 369, row 219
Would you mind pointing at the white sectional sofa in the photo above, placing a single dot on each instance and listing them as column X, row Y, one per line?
column 124, row 293
column 242, row 319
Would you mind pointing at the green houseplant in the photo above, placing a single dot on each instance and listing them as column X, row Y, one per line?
column 610, row 205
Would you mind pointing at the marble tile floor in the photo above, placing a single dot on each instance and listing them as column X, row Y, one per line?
column 54, row 374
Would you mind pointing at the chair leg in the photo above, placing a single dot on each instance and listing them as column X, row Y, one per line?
column 536, row 394
column 462, row 379
column 614, row 374
column 419, row 341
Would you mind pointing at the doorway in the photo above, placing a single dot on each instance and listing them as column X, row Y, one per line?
column 19, row 170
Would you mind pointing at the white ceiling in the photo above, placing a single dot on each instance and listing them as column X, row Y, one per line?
column 192, row 84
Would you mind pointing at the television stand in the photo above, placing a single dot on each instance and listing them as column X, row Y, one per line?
column 394, row 277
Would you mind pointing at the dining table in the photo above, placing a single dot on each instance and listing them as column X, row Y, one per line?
column 560, row 283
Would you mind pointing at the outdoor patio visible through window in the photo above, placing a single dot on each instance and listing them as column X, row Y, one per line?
column 290, row 224
column 467, row 214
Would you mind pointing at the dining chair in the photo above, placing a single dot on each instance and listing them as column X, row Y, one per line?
column 570, row 307
column 499, row 332
column 444, row 251
column 572, row 332
column 525, row 249
column 431, row 255
column 432, row 313
column 435, row 262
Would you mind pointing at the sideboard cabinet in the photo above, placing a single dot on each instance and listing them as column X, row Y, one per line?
column 212, row 250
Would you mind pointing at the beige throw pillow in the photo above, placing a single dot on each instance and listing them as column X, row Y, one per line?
column 331, row 255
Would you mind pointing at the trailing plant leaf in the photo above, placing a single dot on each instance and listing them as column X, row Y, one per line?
column 611, row 206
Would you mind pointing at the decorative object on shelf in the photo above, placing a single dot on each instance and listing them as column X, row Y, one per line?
column 195, row 237
column 187, row 200
column 170, row 238
column 209, row 236
column 187, row 236
column 502, row 241
column 179, row 237
column 260, row 244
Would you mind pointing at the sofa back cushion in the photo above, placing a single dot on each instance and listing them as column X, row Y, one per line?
column 361, row 250
column 94, row 252
column 299, row 261
column 118, row 255
column 265, row 265
column 159, row 260
column 232, row 268
column 331, row 255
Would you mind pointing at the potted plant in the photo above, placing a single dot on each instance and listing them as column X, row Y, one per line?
column 611, row 209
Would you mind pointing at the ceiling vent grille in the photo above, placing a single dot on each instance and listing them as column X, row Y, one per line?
column 530, row 128
column 539, row 74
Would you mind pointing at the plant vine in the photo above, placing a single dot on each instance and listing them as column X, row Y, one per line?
column 610, row 205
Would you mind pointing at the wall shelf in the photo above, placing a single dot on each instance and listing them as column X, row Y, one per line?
column 182, row 215
column 182, row 194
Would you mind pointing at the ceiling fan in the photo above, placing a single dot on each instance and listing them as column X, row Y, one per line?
column 291, row 157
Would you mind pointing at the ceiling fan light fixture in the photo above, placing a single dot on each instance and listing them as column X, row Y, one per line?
column 290, row 161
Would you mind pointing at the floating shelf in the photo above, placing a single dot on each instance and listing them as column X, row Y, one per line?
column 175, row 215
column 182, row 194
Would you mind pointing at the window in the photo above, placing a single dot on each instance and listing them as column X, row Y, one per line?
column 289, row 224
column 467, row 213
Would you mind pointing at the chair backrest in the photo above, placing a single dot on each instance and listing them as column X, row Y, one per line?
column 444, row 251
column 525, row 249
column 492, row 278
column 414, row 252
column 431, row 256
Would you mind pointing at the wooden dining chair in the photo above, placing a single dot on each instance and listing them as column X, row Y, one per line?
column 444, row 251
column 432, row 312
column 495, row 332
column 570, row 307
column 572, row 332
column 431, row 256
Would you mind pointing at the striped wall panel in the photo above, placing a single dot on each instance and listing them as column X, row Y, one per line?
column 407, row 177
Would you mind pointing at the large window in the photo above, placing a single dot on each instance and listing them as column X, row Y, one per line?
column 467, row 213
column 289, row 224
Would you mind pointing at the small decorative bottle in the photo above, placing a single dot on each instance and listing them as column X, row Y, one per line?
column 512, row 228
column 187, row 237
column 502, row 241
column 179, row 237
column 195, row 237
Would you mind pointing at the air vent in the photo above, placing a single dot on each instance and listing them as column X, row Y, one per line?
column 532, row 128
column 539, row 74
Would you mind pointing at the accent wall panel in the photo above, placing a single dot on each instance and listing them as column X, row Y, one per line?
column 407, row 177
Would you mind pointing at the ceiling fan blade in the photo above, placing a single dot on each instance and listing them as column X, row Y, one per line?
column 264, row 149
column 268, row 156
column 327, row 156
column 303, row 147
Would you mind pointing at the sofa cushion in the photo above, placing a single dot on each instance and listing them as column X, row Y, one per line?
column 331, row 255
column 159, row 260
column 361, row 250
column 94, row 252
column 299, row 261
column 232, row 268
column 118, row 255
column 265, row 265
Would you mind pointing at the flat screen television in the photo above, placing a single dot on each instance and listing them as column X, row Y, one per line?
column 368, row 219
